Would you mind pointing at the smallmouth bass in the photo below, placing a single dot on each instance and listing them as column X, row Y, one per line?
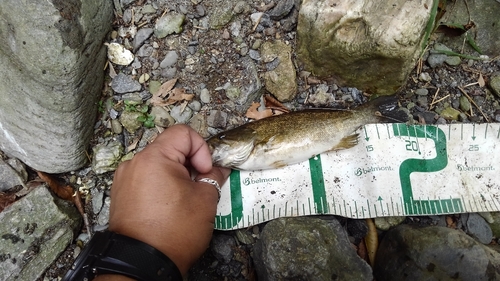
column 291, row 138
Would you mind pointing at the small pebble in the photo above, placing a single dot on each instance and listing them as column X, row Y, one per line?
column 425, row 77
column 205, row 96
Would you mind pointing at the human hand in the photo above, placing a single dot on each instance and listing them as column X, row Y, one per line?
column 154, row 199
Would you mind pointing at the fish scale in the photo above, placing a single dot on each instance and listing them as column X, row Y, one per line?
column 294, row 137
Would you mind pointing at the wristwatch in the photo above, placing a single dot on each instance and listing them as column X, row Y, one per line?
column 111, row 253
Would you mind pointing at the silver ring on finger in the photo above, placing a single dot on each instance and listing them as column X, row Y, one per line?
column 214, row 183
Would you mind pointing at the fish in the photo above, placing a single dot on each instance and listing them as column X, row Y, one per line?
column 286, row 139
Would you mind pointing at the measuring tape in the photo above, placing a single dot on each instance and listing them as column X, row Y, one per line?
column 395, row 170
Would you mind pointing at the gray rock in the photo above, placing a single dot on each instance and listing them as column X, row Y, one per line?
column 321, row 97
column 52, row 57
column 199, row 123
column 168, row 24
column 195, row 105
column 205, row 96
column 222, row 247
column 132, row 98
column 144, row 51
column 495, row 225
column 129, row 121
column 181, row 114
column 217, row 119
column 103, row 217
column 486, row 31
column 106, row 157
column 281, row 82
column 35, row 231
column 221, row 14
column 9, row 177
column 116, row 126
column 453, row 60
column 422, row 92
column 170, row 59
column 494, row 83
column 142, row 35
column 477, row 227
column 436, row 59
column 169, row 72
column 162, row 117
column 250, row 84
column 386, row 223
column 318, row 250
column 465, row 104
column 123, row 83
column 424, row 76
column 281, row 9
column 353, row 40
column 245, row 237
column 434, row 253
column 97, row 200
column 254, row 54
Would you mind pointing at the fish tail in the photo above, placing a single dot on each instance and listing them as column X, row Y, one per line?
column 386, row 109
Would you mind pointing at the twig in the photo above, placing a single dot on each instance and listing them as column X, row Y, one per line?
column 434, row 98
column 78, row 203
column 257, row 22
column 471, row 84
column 474, row 103
column 441, row 99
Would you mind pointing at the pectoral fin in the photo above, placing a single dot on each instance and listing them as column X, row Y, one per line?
column 346, row 142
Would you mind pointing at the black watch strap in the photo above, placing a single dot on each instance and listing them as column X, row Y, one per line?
column 111, row 253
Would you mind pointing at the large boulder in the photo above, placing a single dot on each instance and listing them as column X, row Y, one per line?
column 52, row 58
column 371, row 45
column 485, row 31
column 307, row 248
column 434, row 253
column 34, row 231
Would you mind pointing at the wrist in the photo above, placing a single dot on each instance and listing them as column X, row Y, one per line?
column 109, row 253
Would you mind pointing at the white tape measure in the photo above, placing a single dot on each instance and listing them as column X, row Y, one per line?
column 395, row 170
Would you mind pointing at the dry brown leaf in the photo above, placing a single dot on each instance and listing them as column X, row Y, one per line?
column 63, row 191
column 480, row 81
column 166, row 87
column 178, row 94
column 254, row 113
column 6, row 200
column 361, row 250
column 272, row 103
column 133, row 145
column 371, row 241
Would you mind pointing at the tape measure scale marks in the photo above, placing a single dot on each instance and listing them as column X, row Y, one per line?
column 395, row 170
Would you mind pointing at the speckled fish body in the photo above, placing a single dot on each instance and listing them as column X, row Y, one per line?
column 290, row 138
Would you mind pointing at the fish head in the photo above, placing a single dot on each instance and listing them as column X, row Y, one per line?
column 230, row 149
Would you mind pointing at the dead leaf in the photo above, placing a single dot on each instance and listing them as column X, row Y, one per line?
column 178, row 94
column 480, row 81
column 254, row 113
column 63, row 191
column 272, row 103
column 166, row 87
column 112, row 72
column 371, row 241
column 6, row 200
column 361, row 250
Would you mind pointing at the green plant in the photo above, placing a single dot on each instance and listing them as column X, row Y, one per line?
column 100, row 106
column 145, row 118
